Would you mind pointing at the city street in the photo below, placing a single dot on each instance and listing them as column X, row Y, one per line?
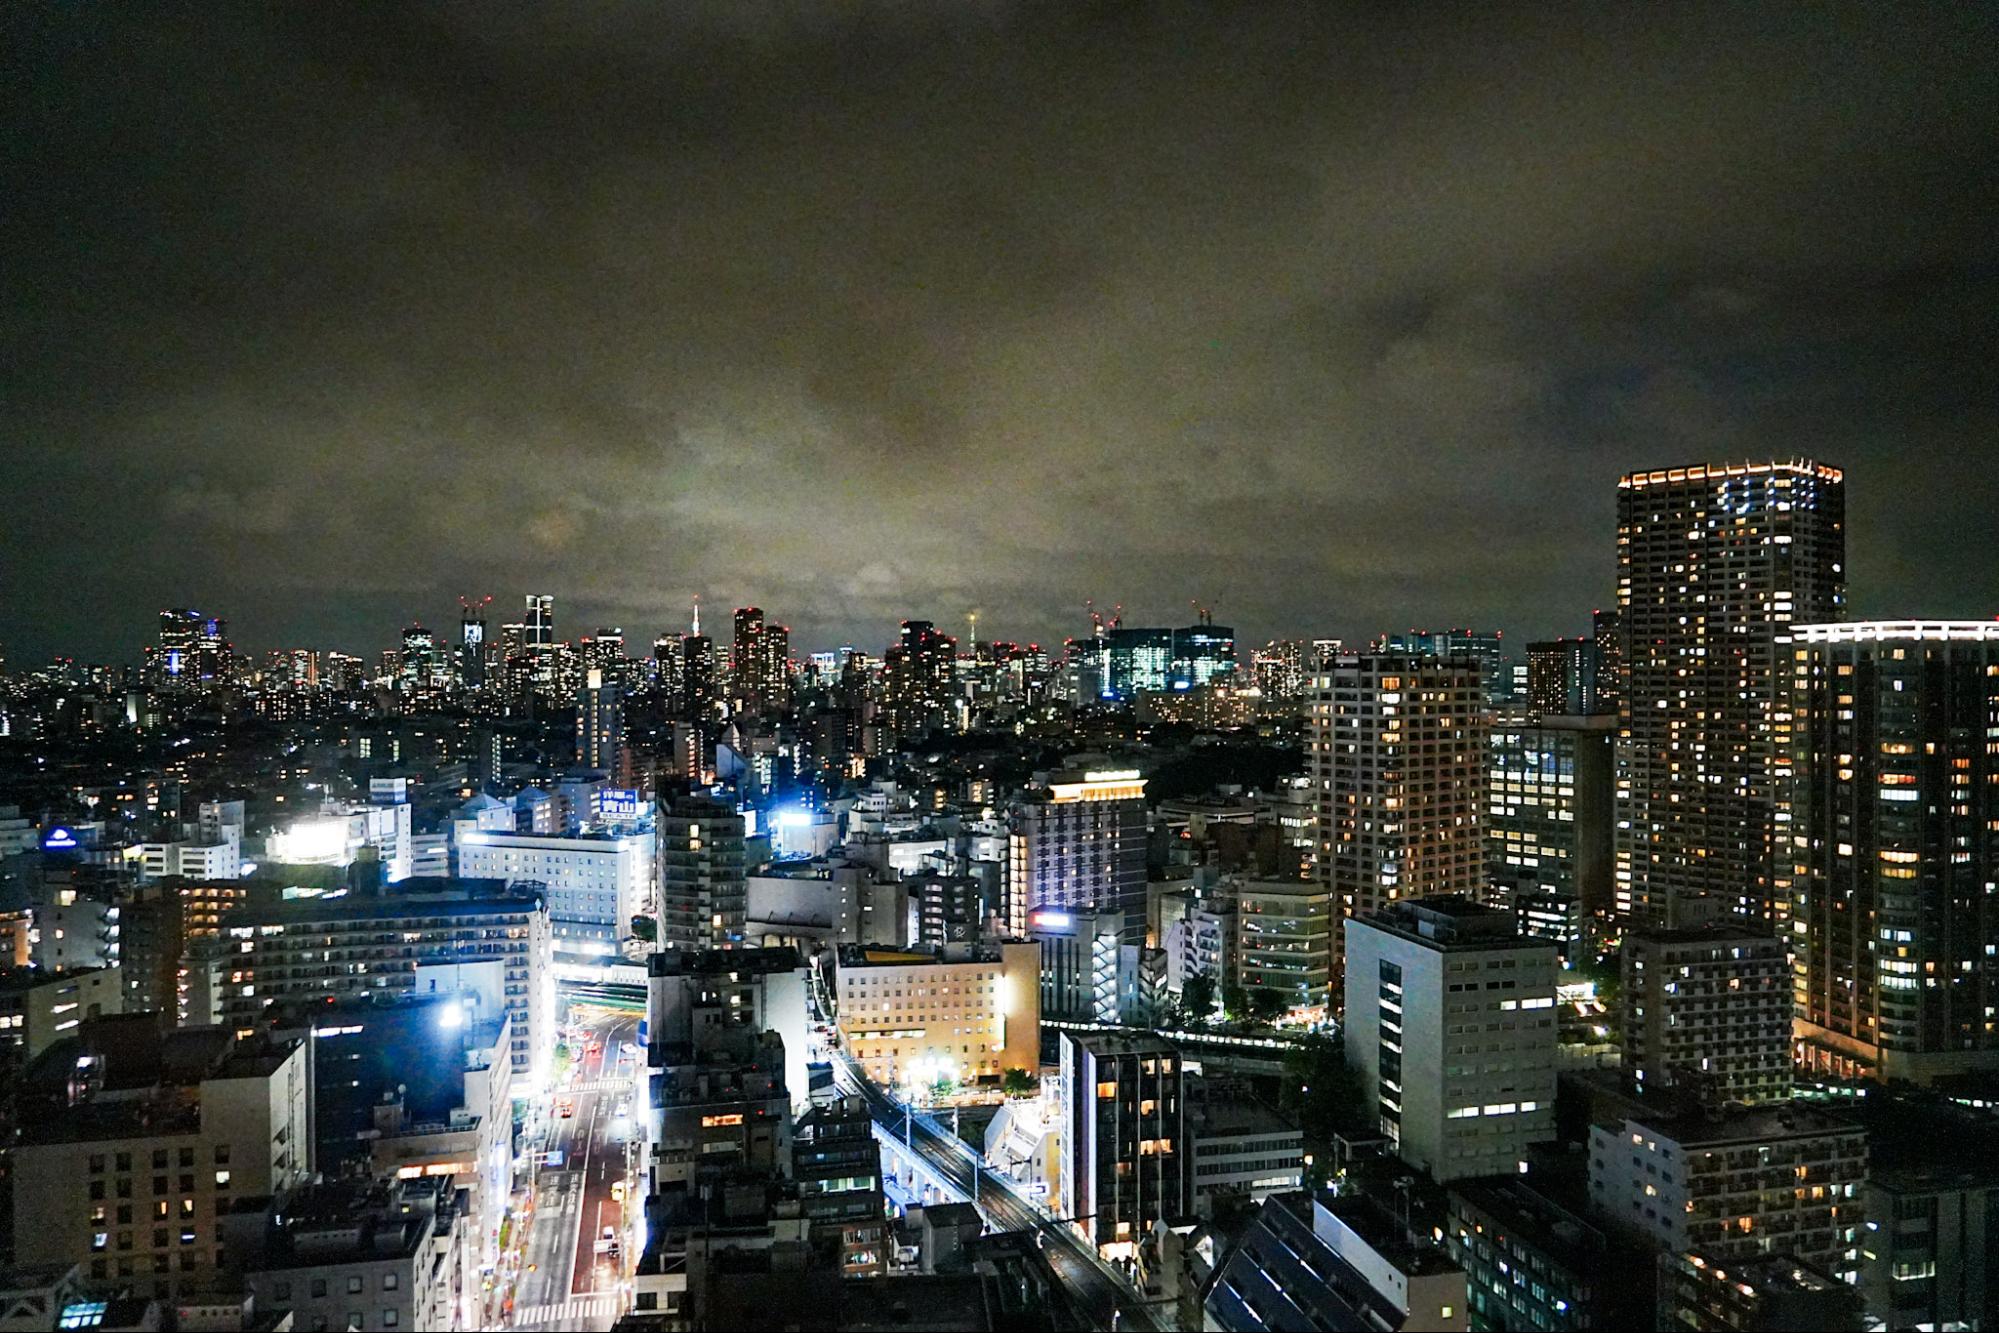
column 576, row 1282
column 1109, row 1303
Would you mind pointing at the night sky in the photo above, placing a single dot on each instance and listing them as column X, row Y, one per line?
column 1343, row 317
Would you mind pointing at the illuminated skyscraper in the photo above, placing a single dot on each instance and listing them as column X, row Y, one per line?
column 1607, row 631
column 760, row 663
column 916, row 679
column 1562, row 678
column 1890, row 846
column 539, row 621
column 1398, row 759
column 192, row 653
column 1715, row 564
column 1079, row 844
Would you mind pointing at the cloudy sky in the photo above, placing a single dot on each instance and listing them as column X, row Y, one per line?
column 1340, row 317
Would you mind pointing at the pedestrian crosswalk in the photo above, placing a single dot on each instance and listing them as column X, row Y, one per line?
column 598, row 1310
column 613, row 1084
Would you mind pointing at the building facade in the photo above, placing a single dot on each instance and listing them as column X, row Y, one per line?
column 1709, row 1009
column 1893, row 853
column 1450, row 1026
column 1396, row 751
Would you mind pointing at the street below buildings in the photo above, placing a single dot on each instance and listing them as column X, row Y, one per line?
column 574, row 1278
column 1107, row 1302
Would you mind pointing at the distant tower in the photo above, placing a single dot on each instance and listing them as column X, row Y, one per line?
column 598, row 722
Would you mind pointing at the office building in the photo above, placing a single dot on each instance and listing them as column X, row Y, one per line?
column 193, row 653
column 1077, row 843
column 703, row 896
column 362, row 945
column 1716, row 564
column 133, row 1145
column 1708, row 1009
column 1607, row 634
column 1450, row 1025
column 760, row 664
column 594, row 882
column 1928, row 1254
column 1396, row 753
column 1285, row 942
column 599, row 722
column 1746, row 1184
column 1893, row 849
column 913, row 1018
column 1562, row 678
column 1550, row 809
column 1121, row 1104
column 1242, row 1150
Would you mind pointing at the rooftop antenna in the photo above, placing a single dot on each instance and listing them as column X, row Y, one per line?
column 697, row 615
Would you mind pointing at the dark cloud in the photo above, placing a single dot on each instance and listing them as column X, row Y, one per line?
column 1348, row 317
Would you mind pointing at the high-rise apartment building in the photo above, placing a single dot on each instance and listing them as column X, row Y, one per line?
column 360, row 945
column 1708, row 1009
column 599, row 722
column 1076, row 843
column 1562, row 677
column 1757, row 1181
column 760, row 663
column 1607, row 633
column 1450, row 1024
column 1397, row 757
column 1715, row 565
column 1891, row 846
column 703, row 893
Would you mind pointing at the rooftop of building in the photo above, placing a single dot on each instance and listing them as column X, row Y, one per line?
column 472, row 897
column 18, row 980
column 719, row 962
column 1533, row 1217
column 1105, row 1042
column 1243, row 1116
column 351, row 1221
column 1383, row 1234
column 121, row 1077
column 1719, row 932
column 859, row 956
column 1450, row 923
column 1733, row 1125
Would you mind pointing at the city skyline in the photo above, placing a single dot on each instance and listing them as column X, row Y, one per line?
column 339, row 341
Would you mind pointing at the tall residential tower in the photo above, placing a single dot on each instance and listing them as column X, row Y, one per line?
column 1715, row 565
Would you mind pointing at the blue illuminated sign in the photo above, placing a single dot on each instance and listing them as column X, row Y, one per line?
column 59, row 839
